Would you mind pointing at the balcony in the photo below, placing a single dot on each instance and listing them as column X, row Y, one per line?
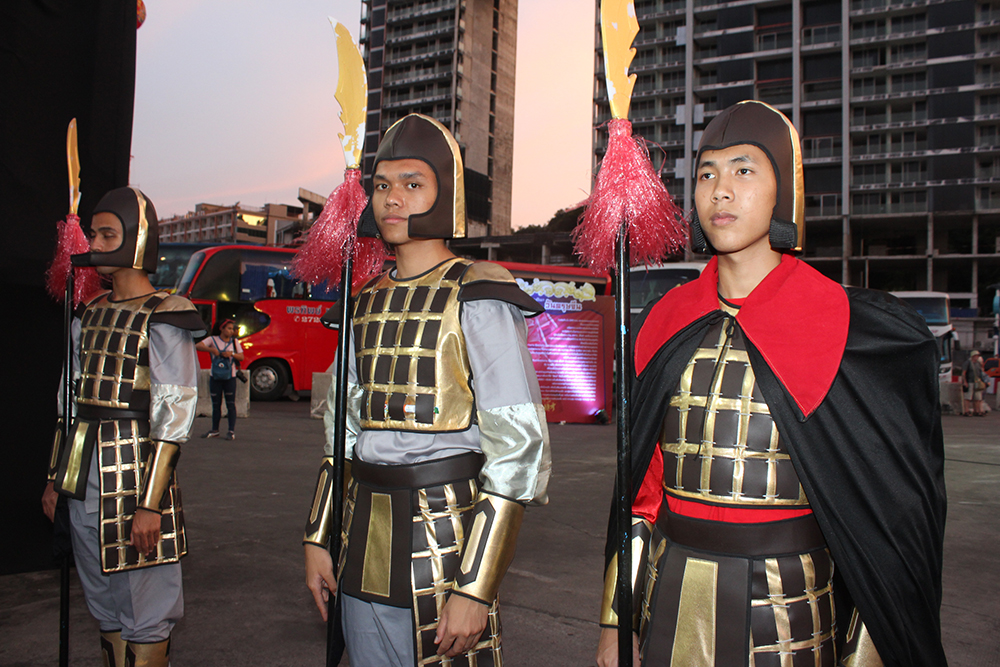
column 988, row 78
column 420, row 9
column 406, row 77
column 887, row 150
column 821, row 90
column 988, row 204
column 771, row 41
column 820, row 206
column 992, row 172
column 443, row 29
column 394, row 102
column 823, row 34
column 890, row 209
column 775, row 95
column 822, row 147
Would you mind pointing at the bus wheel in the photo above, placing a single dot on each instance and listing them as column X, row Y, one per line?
column 268, row 380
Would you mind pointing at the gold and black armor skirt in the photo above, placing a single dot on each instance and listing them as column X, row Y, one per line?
column 403, row 534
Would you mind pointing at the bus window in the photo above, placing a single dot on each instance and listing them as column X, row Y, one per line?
column 649, row 283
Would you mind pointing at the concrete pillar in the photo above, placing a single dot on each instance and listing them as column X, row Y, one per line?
column 930, row 252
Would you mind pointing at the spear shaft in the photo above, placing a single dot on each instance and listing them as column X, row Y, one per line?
column 334, row 633
column 623, row 483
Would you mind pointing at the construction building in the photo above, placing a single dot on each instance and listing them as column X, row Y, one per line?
column 898, row 107
column 452, row 60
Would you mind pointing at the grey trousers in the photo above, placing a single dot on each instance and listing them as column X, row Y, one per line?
column 144, row 604
column 377, row 635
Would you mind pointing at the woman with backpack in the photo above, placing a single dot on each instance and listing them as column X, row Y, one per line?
column 225, row 348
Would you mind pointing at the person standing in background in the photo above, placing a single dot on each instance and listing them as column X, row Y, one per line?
column 226, row 354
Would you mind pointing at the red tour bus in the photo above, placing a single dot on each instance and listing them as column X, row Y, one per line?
column 278, row 323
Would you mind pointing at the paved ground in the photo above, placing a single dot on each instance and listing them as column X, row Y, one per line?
column 247, row 604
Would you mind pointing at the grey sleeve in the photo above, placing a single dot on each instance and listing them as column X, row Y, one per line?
column 75, row 328
column 173, row 382
column 513, row 432
column 353, row 406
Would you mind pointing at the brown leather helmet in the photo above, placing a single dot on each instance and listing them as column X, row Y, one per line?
column 418, row 137
column 140, row 232
column 761, row 125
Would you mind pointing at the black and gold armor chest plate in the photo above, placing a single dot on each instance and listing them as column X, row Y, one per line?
column 412, row 360
column 720, row 444
column 114, row 353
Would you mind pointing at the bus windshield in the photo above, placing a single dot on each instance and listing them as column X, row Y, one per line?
column 646, row 285
column 173, row 260
column 933, row 309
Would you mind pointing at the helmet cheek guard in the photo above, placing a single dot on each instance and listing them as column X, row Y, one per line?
column 140, row 232
column 761, row 125
column 418, row 137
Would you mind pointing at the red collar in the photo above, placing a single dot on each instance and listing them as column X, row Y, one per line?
column 796, row 317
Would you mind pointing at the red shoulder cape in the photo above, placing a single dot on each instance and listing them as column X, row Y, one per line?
column 796, row 317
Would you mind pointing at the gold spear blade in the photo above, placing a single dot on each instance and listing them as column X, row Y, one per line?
column 352, row 94
column 73, row 162
column 619, row 27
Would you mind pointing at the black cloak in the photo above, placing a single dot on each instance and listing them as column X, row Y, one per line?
column 851, row 379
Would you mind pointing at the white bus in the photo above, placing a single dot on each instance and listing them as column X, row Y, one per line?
column 936, row 310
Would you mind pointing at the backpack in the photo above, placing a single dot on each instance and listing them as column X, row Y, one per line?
column 222, row 367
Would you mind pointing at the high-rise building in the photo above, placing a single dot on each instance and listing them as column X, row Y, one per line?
column 898, row 107
column 452, row 60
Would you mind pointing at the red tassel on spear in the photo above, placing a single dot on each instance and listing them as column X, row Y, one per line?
column 334, row 234
column 70, row 239
column 629, row 190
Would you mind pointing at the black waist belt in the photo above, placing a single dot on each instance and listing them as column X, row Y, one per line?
column 788, row 536
column 418, row 475
column 99, row 412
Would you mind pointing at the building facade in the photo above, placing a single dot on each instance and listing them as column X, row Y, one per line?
column 452, row 60
column 898, row 107
column 271, row 224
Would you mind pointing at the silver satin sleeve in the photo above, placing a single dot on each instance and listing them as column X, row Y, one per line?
column 513, row 433
column 353, row 415
column 75, row 327
column 173, row 383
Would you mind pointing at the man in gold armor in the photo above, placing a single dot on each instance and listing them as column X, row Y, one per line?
column 788, row 459
column 447, row 440
column 135, row 376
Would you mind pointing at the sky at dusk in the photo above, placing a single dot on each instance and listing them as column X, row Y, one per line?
column 234, row 102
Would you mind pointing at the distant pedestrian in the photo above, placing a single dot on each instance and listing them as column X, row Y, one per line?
column 974, row 383
column 225, row 348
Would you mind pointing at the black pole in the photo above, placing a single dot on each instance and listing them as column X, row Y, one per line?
column 334, row 634
column 67, row 416
column 623, row 483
